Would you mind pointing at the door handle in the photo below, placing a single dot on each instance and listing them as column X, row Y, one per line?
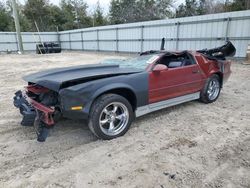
column 195, row 71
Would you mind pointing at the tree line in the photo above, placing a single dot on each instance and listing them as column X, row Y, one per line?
column 74, row 14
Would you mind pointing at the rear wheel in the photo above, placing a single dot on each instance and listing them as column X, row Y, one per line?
column 211, row 90
column 111, row 116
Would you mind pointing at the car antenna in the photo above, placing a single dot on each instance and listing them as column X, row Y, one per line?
column 162, row 44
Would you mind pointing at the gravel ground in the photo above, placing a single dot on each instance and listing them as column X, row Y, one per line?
column 189, row 145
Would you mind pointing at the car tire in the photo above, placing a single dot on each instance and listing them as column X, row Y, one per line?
column 110, row 116
column 211, row 90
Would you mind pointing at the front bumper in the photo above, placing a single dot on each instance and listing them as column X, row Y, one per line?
column 26, row 109
column 30, row 108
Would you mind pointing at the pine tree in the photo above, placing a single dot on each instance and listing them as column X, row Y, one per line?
column 190, row 8
column 75, row 14
column 127, row 11
column 115, row 12
column 237, row 5
column 163, row 8
column 4, row 18
column 37, row 11
column 98, row 18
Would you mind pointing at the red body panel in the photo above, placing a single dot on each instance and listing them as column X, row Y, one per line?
column 210, row 67
column 47, row 113
column 36, row 89
column 174, row 82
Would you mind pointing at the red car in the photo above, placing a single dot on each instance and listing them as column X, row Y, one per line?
column 109, row 95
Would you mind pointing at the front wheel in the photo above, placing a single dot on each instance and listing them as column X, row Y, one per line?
column 111, row 116
column 211, row 90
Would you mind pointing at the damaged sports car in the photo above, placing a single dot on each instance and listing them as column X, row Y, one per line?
column 111, row 94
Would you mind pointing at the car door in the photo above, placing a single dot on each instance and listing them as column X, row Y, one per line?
column 174, row 82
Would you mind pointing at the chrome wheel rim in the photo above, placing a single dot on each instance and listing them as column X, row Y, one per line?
column 114, row 118
column 213, row 89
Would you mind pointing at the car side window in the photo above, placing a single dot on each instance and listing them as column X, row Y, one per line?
column 175, row 61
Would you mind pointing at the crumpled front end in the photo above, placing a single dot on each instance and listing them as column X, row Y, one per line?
column 38, row 106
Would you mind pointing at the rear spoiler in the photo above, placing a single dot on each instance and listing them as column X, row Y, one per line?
column 227, row 50
column 219, row 53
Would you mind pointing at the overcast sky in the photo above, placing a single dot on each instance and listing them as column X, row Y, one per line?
column 92, row 3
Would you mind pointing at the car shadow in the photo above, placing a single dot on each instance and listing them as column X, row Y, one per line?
column 72, row 129
column 78, row 129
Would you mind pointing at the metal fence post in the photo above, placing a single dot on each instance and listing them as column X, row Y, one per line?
column 97, row 38
column 177, row 35
column 142, row 37
column 82, row 40
column 69, row 40
column 227, row 28
column 16, row 42
column 116, row 39
column 59, row 38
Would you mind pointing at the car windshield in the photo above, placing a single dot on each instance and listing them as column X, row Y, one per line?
column 140, row 62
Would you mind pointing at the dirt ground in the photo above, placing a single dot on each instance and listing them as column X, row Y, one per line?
column 189, row 145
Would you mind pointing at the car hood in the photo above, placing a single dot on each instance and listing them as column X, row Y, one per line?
column 55, row 79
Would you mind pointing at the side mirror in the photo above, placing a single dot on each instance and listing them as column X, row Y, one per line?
column 159, row 67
